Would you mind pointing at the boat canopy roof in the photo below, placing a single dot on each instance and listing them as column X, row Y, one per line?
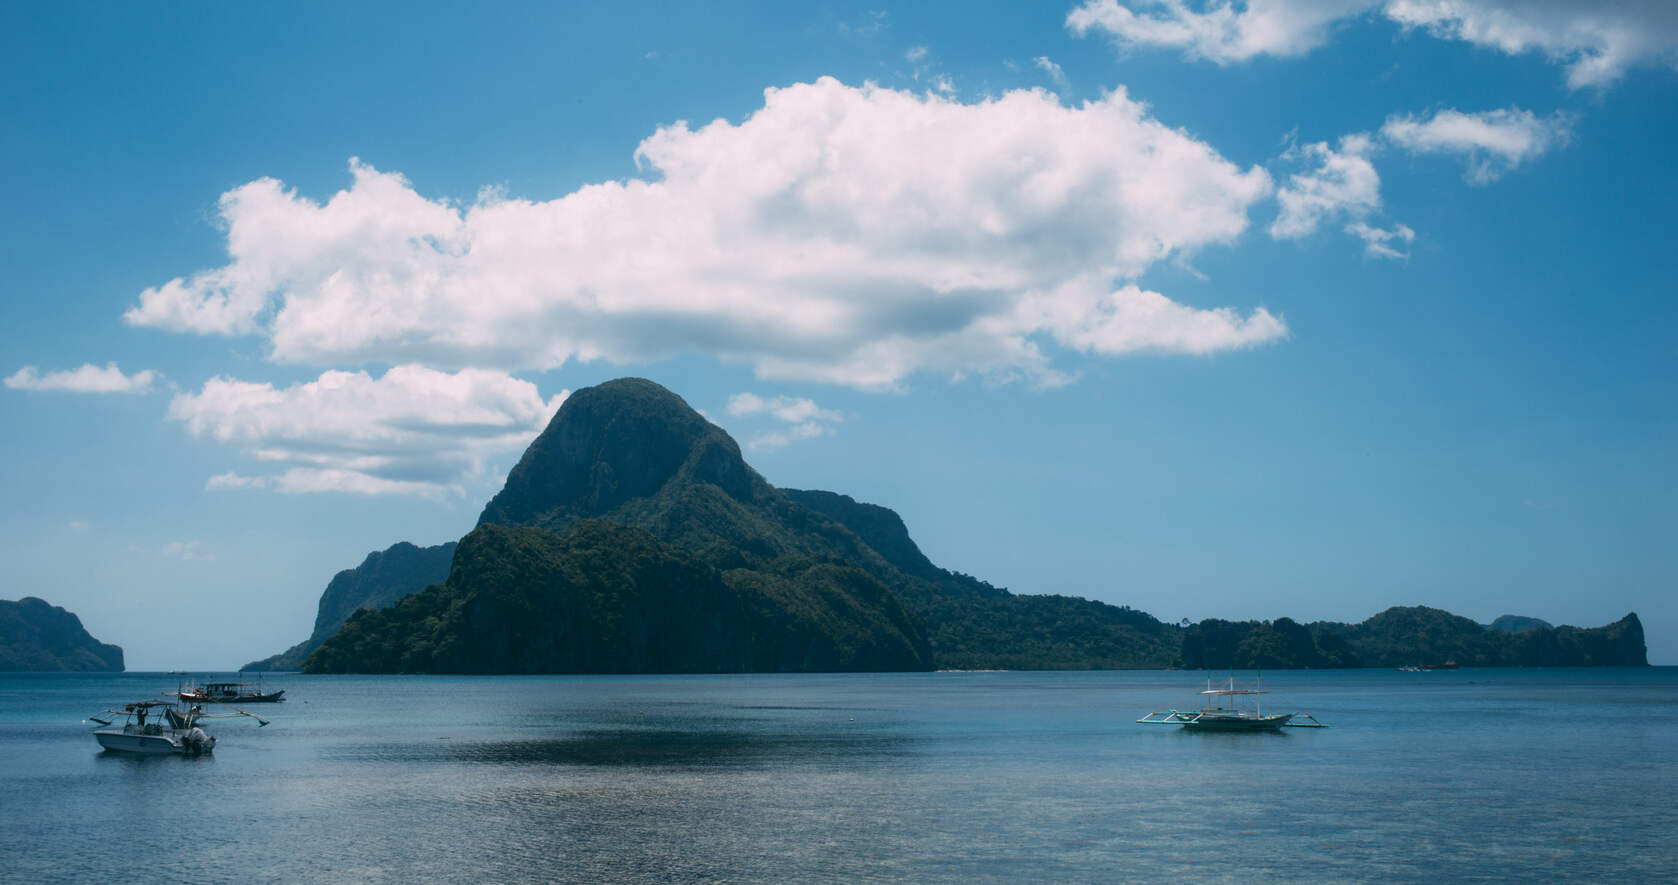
column 1236, row 691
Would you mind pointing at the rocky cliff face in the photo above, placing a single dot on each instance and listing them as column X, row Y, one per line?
column 382, row 579
column 38, row 636
column 612, row 444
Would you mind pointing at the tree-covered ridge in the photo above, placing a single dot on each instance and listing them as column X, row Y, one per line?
column 607, row 598
column 975, row 626
column 1519, row 624
column 38, row 636
column 1409, row 636
column 1280, row 644
column 382, row 578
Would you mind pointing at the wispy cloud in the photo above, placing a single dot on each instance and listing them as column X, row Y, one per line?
column 1596, row 41
column 308, row 480
column 1383, row 242
column 1053, row 70
column 186, row 551
column 1220, row 32
column 802, row 417
column 86, row 379
column 1493, row 142
column 870, row 24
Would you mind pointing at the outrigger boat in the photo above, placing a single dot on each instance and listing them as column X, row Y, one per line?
column 230, row 693
column 160, row 728
column 1222, row 711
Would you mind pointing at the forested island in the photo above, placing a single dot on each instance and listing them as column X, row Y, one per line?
column 37, row 636
column 632, row 537
column 382, row 579
column 1410, row 636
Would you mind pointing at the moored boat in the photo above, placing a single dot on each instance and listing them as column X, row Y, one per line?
column 1222, row 710
column 155, row 728
column 230, row 693
column 159, row 728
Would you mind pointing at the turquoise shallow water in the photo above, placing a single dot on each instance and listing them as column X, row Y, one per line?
column 1471, row 775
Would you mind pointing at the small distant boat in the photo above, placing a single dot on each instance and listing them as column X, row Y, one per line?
column 1222, row 710
column 1418, row 668
column 155, row 728
column 230, row 693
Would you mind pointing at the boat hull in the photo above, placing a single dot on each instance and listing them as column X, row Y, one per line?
column 201, row 698
column 127, row 741
column 1239, row 723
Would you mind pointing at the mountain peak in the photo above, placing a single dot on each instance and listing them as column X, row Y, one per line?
column 610, row 444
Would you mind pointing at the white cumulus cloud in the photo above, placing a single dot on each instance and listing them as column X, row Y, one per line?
column 1493, row 142
column 1597, row 41
column 86, row 379
column 1341, row 182
column 413, row 431
column 852, row 235
column 1091, row 318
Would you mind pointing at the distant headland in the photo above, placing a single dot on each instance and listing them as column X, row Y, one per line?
column 37, row 636
column 633, row 537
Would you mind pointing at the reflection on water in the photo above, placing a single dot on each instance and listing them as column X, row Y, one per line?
column 114, row 757
column 668, row 748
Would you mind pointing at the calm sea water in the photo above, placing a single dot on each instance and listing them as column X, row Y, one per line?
column 1472, row 775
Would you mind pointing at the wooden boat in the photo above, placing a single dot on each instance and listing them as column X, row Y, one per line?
column 230, row 693
column 1222, row 710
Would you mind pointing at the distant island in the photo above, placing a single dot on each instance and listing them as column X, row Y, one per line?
column 632, row 537
column 1411, row 636
column 37, row 636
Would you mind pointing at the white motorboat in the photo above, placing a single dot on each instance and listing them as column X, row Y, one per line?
column 160, row 728
column 155, row 728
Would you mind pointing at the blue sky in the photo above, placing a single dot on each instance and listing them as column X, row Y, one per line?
column 1302, row 307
